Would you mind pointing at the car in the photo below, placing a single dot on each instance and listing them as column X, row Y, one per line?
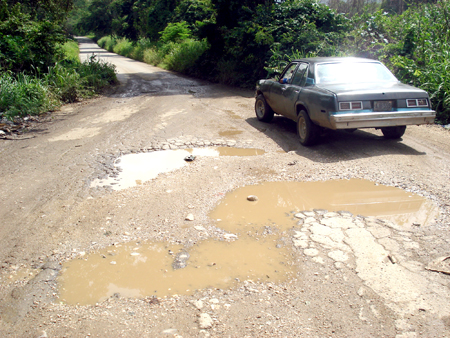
column 342, row 93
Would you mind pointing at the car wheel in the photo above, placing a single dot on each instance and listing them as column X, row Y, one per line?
column 393, row 132
column 263, row 111
column 307, row 131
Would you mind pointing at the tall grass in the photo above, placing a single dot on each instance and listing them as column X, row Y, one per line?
column 24, row 95
column 67, row 81
column 179, row 56
column 184, row 55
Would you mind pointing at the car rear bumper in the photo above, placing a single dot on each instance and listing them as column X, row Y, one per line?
column 381, row 119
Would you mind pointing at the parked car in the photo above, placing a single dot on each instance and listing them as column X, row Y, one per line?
column 342, row 93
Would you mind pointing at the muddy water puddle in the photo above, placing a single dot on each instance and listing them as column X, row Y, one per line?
column 279, row 201
column 140, row 270
column 139, row 168
column 161, row 269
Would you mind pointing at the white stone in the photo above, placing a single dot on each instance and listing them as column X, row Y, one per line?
column 311, row 252
column 338, row 256
column 309, row 213
column 198, row 304
column 338, row 222
column 199, row 228
column 299, row 215
column 310, row 220
column 299, row 243
column 205, row 321
column 319, row 229
column 318, row 259
column 189, row 217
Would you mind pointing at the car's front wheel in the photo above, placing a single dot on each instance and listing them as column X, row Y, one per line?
column 263, row 111
column 307, row 131
column 393, row 132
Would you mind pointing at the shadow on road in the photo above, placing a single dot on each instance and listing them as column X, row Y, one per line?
column 334, row 145
column 136, row 81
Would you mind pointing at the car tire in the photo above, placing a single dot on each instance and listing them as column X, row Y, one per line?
column 263, row 111
column 393, row 132
column 307, row 131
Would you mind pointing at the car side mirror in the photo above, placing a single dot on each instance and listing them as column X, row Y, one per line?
column 310, row 81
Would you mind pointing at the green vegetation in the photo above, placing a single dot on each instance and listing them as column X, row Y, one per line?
column 67, row 81
column 39, row 66
column 234, row 42
column 237, row 42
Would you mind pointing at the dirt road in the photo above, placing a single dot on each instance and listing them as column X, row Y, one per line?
column 350, row 276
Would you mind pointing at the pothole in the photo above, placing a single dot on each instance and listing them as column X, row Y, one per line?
column 277, row 203
column 136, row 169
column 134, row 270
column 261, row 220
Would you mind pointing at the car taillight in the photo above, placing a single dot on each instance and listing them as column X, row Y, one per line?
column 410, row 103
column 357, row 105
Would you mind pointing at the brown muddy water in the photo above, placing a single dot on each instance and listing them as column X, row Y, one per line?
column 140, row 270
column 279, row 201
column 139, row 168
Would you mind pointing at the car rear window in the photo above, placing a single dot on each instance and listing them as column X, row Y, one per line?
column 347, row 72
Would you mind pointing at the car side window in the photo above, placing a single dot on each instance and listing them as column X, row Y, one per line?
column 288, row 74
column 299, row 78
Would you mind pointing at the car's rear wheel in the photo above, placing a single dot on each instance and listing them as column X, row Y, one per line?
column 263, row 111
column 393, row 132
column 307, row 131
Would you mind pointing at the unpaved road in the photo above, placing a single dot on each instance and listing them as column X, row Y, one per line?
column 355, row 277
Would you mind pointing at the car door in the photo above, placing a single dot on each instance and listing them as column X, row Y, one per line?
column 292, row 90
column 276, row 98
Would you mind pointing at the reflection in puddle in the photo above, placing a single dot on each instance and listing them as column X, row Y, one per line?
column 145, row 270
column 139, row 168
column 278, row 201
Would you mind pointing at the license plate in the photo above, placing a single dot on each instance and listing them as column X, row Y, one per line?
column 382, row 105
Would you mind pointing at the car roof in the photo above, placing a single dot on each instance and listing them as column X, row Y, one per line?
column 335, row 60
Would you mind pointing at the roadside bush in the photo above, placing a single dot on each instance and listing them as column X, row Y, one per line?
column 184, row 55
column 123, row 47
column 176, row 32
column 24, row 95
column 107, row 42
column 138, row 51
column 63, row 82
column 152, row 56
column 96, row 75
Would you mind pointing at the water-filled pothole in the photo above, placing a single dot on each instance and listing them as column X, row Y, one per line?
column 134, row 270
column 278, row 201
column 159, row 269
column 139, row 168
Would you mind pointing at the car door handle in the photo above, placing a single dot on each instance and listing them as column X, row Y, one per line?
column 284, row 88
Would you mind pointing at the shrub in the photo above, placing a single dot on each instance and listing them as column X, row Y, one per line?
column 24, row 95
column 183, row 56
column 138, row 51
column 123, row 47
column 107, row 42
column 64, row 82
column 152, row 56
column 176, row 32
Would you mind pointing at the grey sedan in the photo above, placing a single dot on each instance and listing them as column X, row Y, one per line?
column 342, row 93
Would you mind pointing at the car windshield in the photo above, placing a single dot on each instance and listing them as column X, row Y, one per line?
column 353, row 72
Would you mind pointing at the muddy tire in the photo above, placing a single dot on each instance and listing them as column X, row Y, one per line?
column 393, row 132
column 263, row 111
column 307, row 131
